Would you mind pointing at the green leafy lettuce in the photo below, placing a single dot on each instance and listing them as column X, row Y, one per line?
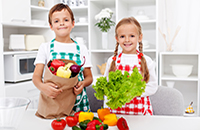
column 120, row 89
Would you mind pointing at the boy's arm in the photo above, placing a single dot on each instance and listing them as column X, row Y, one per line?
column 88, row 79
column 49, row 89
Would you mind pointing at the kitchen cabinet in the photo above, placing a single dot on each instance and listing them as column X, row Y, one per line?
column 16, row 18
column 12, row 14
column 37, row 23
column 121, row 9
column 188, row 86
column 87, row 30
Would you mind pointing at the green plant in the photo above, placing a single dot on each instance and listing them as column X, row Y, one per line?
column 104, row 18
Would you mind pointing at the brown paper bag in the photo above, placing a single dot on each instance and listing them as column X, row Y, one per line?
column 63, row 104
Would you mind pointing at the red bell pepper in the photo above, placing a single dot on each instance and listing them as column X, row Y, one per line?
column 92, row 125
column 57, row 63
column 52, row 69
column 122, row 124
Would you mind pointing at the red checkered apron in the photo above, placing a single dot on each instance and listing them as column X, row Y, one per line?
column 139, row 105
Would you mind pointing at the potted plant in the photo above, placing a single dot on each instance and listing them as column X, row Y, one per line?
column 104, row 24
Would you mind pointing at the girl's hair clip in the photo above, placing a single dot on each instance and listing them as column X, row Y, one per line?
column 140, row 55
column 114, row 58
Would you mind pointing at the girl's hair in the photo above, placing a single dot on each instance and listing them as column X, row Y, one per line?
column 144, row 68
column 59, row 7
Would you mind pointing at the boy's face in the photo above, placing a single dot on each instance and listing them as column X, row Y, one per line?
column 62, row 23
column 128, row 37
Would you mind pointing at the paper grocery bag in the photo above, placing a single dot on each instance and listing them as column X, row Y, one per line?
column 63, row 104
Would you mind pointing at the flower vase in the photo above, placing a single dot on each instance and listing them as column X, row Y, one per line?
column 104, row 40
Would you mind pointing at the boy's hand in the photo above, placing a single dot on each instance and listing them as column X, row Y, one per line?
column 79, row 87
column 51, row 90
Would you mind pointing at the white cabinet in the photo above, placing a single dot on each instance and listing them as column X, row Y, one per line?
column 16, row 12
column 87, row 30
column 121, row 9
column 188, row 86
column 15, row 18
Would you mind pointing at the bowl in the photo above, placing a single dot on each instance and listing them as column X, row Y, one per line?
column 170, row 84
column 182, row 70
column 12, row 110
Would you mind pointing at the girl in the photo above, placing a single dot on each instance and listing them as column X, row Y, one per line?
column 128, row 34
column 61, row 21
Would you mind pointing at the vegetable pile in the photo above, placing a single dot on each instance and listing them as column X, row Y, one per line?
column 60, row 69
column 87, row 121
column 120, row 88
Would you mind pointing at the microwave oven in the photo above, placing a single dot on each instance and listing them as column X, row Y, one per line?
column 19, row 67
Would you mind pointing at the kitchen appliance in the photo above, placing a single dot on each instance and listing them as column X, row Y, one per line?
column 19, row 67
column 17, row 42
column 33, row 42
column 12, row 110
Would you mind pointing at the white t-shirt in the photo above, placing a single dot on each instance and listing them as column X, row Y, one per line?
column 132, row 59
column 43, row 55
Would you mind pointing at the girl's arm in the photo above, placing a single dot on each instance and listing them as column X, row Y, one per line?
column 88, row 79
column 49, row 89
column 152, row 85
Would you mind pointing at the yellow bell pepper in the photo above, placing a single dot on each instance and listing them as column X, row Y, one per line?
column 102, row 112
column 85, row 116
column 110, row 119
column 63, row 72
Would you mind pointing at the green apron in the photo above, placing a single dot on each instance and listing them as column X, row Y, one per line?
column 82, row 103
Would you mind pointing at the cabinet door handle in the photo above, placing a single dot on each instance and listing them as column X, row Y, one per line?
column 18, row 20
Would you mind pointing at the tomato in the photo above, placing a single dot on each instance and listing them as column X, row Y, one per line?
column 71, row 121
column 58, row 124
column 77, row 114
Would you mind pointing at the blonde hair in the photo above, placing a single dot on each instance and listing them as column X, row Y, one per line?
column 59, row 7
column 134, row 22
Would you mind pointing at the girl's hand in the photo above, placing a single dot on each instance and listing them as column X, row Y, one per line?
column 79, row 87
column 51, row 90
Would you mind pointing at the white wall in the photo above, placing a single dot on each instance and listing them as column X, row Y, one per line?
column 2, row 89
column 183, row 13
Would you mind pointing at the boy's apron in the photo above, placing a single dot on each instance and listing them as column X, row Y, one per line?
column 138, row 105
column 81, row 103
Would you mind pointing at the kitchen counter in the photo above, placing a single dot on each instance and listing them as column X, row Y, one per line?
column 31, row 122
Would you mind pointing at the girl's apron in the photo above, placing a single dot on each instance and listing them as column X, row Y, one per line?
column 139, row 105
column 81, row 103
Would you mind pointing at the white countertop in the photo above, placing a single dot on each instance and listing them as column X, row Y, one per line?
column 31, row 122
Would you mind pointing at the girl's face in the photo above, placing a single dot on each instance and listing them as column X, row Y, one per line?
column 62, row 23
column 128, row 38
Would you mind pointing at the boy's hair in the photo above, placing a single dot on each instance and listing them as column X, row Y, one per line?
column 59, row 7
column 134, row 22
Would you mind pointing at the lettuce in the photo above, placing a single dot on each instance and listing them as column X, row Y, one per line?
column 120, row 89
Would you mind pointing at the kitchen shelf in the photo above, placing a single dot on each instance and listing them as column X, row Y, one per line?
column 188, row 86
column 9, row 25
column 174, row 78
column 81, row 24
column 79, row 8
column 148, row 21
column 18, row 52
column 37, row 8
